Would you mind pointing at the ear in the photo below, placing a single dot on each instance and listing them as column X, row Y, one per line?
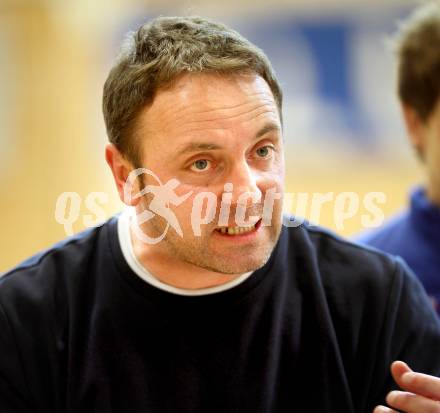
column 415, row 127
column 121, row 169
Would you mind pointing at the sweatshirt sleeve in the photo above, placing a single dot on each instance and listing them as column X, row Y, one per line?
column 13, row 388
column 410, row 332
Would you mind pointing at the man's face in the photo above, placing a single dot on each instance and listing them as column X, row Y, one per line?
column 207, row 131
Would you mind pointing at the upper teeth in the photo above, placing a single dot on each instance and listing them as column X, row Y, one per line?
column 235, row 230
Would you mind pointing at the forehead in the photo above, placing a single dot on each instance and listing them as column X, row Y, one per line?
column 199, row 102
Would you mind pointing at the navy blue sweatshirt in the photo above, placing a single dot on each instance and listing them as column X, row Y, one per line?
column 314, row 330
column 415, row 236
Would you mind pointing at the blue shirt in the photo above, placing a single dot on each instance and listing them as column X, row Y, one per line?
column 414, row 235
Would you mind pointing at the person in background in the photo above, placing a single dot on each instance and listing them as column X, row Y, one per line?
column 415, row 234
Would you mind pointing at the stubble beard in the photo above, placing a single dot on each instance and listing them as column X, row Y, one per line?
column 202, row 252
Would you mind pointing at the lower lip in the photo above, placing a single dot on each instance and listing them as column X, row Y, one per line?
column 245, row 236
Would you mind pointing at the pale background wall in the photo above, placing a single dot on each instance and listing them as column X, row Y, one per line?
column 54, row 57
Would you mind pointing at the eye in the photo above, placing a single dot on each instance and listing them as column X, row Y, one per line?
column 264, row 151
column 200, row 165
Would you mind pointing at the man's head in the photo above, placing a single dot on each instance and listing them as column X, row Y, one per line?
column 418, row 52
column 161, row 51
column 193, row 101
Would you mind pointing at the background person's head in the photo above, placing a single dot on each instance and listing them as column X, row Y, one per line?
column 417, row 44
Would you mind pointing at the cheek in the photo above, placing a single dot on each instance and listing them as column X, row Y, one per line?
column 271, row 180
column 277, row 167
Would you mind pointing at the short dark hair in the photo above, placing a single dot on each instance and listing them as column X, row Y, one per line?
column 417, row 44
column 162, row 50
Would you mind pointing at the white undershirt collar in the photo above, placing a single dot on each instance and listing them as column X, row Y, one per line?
column 125, row 241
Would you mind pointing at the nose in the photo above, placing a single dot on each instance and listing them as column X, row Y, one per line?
column 244, row 180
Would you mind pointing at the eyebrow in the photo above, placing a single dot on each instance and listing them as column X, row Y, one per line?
column 270, row 127
column 204, row 146
column 199, row 146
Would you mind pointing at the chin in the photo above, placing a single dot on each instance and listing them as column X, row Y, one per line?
column 236, row 265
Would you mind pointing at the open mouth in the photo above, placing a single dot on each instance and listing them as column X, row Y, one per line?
column 238, row 230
